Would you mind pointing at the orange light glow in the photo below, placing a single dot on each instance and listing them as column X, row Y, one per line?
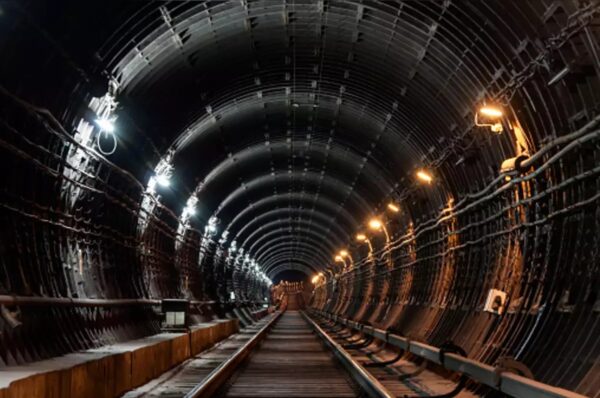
column 393, row 207
column 424, row 176
column 490, row 112
column 375, row 224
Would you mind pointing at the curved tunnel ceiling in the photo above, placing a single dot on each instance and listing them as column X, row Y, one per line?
column 356, row 94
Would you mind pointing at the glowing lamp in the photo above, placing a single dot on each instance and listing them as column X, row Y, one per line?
column 190, row 210
column 424, row 176
column 105, row 124
column 375, row 224
column 361, row 237
column 163, row 180
column 490, row 112
column 393, row 207
column 491, row 118
column 343, row 253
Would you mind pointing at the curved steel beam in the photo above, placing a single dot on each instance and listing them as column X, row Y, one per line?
column 319, row 250
column 284, row 259
column 265, row 240
column 338, row 158
column 287, row 239
column 274, row 224
column 332, row 188
column 295, row 267
column 312, row 216
column 294, row 252
column 300, row 198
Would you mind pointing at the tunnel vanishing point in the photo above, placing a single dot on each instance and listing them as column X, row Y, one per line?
column 300, row 198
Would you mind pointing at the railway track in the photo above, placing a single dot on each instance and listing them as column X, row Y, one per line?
column 296, row 358
column 294, row 354
column 291, row 362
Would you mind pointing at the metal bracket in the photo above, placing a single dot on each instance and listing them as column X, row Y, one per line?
column 509, row 364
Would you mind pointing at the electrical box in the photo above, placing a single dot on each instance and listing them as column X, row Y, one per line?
column 496, row 300
column 175, row 312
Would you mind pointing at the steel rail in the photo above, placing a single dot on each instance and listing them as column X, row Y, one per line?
column 506, row 382
column 365, row 379
column 225, row 370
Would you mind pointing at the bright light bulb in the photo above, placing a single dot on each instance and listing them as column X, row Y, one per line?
column 490, row 111
column 163, row 180
column 339, row 258
column 191, row 211
column 424, row 176
column 361, row 237
column 393, row 207
column 375, row 224
column 105, row 124
column 343, row 253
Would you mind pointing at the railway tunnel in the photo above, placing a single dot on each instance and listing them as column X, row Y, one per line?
column 300, row 198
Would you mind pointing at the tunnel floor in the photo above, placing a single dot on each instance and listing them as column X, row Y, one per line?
column 291, row 362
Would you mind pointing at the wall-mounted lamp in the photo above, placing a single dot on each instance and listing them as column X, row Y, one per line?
column 375, row 224
column 345, row 255
column 489, row 116
column 424, row 176
column 190, row 207
column 363, row 238
column 393, row 207
column 320, row 277
column 106, row 124
column 163, row 180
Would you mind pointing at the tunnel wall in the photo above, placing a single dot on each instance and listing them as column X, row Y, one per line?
column 70, row 230
column 80, row 225
column 534, row 237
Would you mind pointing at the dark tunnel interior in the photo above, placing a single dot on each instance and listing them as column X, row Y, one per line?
column 427, row 168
